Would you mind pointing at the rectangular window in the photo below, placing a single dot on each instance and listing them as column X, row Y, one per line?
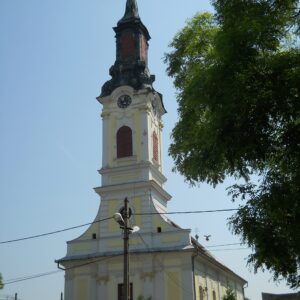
column 120, row 291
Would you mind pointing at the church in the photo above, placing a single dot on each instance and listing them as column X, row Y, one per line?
column 166, row 262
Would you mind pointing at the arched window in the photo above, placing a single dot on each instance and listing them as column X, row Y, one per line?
column 155, row 146
column 201, row 293
column 214, row 295
column 124, row 142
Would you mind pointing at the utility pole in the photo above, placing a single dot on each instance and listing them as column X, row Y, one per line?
column 122, row 219
column 126, row 289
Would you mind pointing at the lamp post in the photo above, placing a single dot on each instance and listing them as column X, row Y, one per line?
column 122, row 219
column 126, row 246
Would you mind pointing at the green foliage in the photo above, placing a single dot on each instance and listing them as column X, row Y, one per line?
column 238, row 76
column 230, row 295
column 1, row 282
column 143, row 298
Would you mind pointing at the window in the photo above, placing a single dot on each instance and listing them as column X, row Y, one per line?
column 120, row 291
column 155, row 146
column 124, row 142
column 201, row 293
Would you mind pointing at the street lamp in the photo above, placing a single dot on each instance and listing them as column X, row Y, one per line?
column 122, row 220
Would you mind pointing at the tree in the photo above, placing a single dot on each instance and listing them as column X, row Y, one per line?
column 237, row 74
column 230, row 295
column 1, row 282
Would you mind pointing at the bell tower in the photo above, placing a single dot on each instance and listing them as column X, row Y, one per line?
column 132, row 164
column 132, row 110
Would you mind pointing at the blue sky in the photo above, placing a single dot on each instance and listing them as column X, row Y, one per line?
column 54, row 58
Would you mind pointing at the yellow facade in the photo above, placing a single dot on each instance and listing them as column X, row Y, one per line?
column 81, row 289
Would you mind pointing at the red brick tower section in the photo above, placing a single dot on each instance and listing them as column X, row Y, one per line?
column 131, row 65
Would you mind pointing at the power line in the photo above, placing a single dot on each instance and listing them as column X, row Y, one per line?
column 10, row 281
column 187, row 212
column 222, row 245
column 8, row 297
column 230, row 249
column 52, row 232
column 30, row 277
column 105, row 219
column 25, row 278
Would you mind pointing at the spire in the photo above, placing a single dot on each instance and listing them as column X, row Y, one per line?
column 131, row 12
column 131, row 65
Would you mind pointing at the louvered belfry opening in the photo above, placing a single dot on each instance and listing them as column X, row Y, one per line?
column 124, row 142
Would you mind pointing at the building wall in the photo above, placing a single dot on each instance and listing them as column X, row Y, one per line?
column 214, row 281
column 161, row 276
column 156, row 275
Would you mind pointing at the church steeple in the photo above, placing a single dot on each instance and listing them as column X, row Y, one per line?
column 131, row 65
column 131, row 11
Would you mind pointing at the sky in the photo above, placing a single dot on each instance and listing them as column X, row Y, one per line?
column 54, row 58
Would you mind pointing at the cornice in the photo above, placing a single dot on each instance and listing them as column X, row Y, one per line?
column 133, row 186
column 127, row 168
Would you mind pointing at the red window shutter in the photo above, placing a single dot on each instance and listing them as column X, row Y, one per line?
column 124, row 142
column 127, row 45
column 155, row 146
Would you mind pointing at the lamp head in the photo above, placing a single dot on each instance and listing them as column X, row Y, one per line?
column 119, row 219
column 135, row 229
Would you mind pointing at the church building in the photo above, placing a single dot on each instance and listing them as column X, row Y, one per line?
column 166, row 263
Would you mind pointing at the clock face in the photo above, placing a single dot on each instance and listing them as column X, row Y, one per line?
column 124, row 101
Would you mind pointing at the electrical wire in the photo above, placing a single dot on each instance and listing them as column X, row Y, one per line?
column 105, row 219
column 8, row 297
column 30, row 277
column 10, row 281
column 53, row 232
column 223, row 245
column 229, row 249
column 24, row 278
column 187, row 212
